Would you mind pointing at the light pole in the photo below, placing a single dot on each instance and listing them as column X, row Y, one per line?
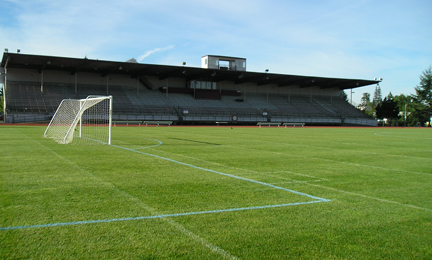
column 351, row 97
column 266, row 78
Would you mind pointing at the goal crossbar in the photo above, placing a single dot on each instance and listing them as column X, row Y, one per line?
column 93, row 114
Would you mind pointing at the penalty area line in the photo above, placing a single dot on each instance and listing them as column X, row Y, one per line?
column 158, row 216
column 316, row 199
column 224, row 174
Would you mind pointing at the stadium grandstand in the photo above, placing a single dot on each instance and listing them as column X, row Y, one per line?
column 221, row 91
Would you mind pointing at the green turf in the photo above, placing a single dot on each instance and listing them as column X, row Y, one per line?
column 378, row 182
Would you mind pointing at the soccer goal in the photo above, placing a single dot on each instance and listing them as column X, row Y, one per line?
column 82, row 121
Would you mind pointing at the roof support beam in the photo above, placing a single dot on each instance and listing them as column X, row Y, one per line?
column 271, row 80
column 114, row 68
column 243, row 79
column 172, row 73
column 207, row 74
column 296, row 81
column 140, row 72
column 77, row 69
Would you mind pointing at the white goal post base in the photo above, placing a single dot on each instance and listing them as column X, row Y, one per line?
column 82, row 121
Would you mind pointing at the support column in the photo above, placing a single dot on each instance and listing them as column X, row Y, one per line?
column 110, row 120
column 289, row 94
column 42, row 74
column 76, row 82
column 167, row 87
column 107, row 84
column 4, row 91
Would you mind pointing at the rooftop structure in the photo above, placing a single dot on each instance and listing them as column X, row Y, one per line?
column 223, row 63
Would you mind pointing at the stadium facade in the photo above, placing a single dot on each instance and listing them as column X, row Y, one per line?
column 221, row 91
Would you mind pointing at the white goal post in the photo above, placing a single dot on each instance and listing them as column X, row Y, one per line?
column 82, row 121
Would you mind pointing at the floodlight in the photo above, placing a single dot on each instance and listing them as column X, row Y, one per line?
column 6, row 50
column 267, row 70
column 18, row 50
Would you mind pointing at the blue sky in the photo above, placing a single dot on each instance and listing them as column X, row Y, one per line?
column 389, row 39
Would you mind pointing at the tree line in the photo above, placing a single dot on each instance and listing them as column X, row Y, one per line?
column 402, row 110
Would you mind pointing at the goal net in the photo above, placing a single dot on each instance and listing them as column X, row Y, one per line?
column 82, row 121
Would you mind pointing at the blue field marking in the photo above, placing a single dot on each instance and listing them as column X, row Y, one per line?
column 156, row 216
column 316, row 199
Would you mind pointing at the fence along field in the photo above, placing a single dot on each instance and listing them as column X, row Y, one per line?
column 193, row 193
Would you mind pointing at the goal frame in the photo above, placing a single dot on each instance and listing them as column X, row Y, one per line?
column 65, row 134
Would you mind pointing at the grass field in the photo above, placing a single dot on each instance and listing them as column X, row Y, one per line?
column 218, row 193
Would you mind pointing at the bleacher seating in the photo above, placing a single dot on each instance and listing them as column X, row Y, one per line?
column 130, row 103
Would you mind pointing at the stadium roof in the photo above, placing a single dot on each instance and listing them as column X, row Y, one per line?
column 75, row 65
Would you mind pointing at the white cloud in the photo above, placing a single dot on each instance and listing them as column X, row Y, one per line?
column 150, row 52
column 322, row 38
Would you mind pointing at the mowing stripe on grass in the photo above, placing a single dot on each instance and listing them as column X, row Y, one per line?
column 370, row 197
column 179, row 227
column 225, row 174
column 337, row 161
column 317, row 200
column 155, row 217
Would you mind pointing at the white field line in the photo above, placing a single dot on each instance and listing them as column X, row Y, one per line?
column 251, row 171
column 334, row 161
column 362, row 144
column 370, row 197
column 372, row 146
column 294, row 181
column 307, row 182
column 179, row 227
column 390, row 134
column 366, row 152
column 299, row 174
column 143, row 147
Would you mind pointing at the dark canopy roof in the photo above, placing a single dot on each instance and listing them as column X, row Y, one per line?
column 75, row 65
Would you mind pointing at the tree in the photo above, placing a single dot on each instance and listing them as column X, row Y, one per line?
column 345, row 96
column 388, row 108
column 366, row 104
column 424, row 95
column 377, row 97
column 406, row 109
column 390, row 96
column 365, row 100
